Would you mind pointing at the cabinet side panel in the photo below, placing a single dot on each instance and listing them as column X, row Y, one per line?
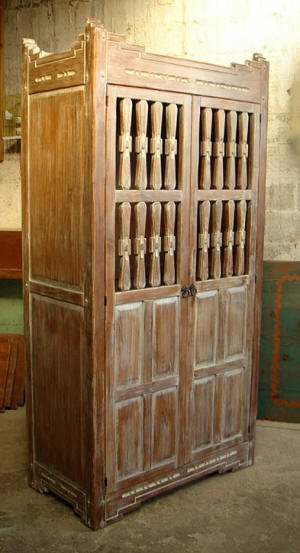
column 58, row 386
column 56, row 176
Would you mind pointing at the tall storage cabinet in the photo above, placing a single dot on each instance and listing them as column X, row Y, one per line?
column 143, row 200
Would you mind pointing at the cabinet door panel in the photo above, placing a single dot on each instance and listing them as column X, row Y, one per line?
column 129, row 343
column 223, row 204
column 129, row 437
column 206, row 322
column 203, row 411
column 165, row 337
column 233, row 398
column 235, row 321
column 164, row 426
column 147, row 260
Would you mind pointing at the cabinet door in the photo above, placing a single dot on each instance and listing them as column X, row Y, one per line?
column 147, row 206
column 224, row 181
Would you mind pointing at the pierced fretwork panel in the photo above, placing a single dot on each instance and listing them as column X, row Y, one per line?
column 223, row 240
column 146, row 242
column 147, row 145
column 225, row 142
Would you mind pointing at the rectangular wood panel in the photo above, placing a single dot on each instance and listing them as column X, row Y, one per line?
column 59, row 386
column 233, row 403
column 129, row 343
column 129, row 431
column 165, row 328
column 236, row 312
column 206, row 327
column 203, row 412
column 56, row 176
column 164, row 426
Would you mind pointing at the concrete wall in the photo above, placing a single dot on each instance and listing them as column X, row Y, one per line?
column 209, row 30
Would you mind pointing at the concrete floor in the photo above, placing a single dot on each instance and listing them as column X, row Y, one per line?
column 253, row 510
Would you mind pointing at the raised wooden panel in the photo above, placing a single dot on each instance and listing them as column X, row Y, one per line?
column 165, row 328
column 236, row 300
column 164, row 426
column 129, row 431
column 233, row 397
column 59, row 383
column 206, row 327
column 56, row 177
column 129, row 343
column 203, row 412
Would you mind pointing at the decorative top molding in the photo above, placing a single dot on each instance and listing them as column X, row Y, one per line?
column 130, row 64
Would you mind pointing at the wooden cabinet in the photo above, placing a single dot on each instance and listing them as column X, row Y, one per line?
column 143, row 200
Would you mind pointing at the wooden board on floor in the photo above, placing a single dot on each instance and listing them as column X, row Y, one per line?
column 12, row 371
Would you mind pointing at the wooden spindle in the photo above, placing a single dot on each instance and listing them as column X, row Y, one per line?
column 169, row 243
column 242, row 151
column 124, row 246
column 205, row 148
column 155, row 244
column 203, row 240
column 170, row 147
column 139, row 247
column 141, row 145
column 125, row 144
column 230, row 149
column 228, row 238
column 216, row 239
column 218, row 149
column 240, row 237
column 156, row 146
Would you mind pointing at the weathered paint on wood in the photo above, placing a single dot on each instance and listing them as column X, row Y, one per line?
column 279, row 384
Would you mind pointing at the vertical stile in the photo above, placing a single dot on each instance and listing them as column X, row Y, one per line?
column 169, row 243
column 125, row 144
column 156, row 146
column 228, row 238
column 218, row 149
column 248, row 238
column 240, row 237
column 242, row 151
column 205, row 148
column 230, row 149
column 155, row 244
column 139, row 247
column 124, row 246
column 216, row 239
column 141, row 145
column 203, row 240
column 170, row 147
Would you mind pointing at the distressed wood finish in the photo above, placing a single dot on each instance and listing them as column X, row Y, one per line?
column 156, row 146
column 141, row 145
column 142, row 269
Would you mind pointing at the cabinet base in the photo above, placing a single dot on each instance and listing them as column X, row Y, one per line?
column 128, row 499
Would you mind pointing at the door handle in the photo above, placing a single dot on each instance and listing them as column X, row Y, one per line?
column 184, row 291
column 192, row 290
